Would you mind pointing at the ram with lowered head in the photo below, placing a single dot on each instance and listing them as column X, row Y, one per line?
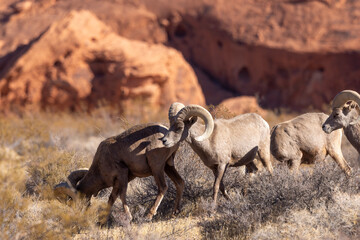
column 137, row 152
column 301, row 140
column 346, row 115
column 221, row 143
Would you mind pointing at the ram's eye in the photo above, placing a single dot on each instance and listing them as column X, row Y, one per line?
column 178, row 129
column 336, row 115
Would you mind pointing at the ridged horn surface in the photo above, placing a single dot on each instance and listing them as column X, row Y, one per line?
column 173, row 110
column 342, row 97
column 196, row 110
column 75, row 176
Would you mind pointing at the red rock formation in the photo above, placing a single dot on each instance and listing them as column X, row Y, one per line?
column 80, row 61
column 295, row 54
column 244, row 104
column 127, row 18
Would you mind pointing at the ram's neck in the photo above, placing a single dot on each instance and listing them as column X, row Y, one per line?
column 352, row 133
column 201, row 148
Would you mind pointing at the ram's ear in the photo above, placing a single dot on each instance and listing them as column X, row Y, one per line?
column 353, row 105
column 349, row 105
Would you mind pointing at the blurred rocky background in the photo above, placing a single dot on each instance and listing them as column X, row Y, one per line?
column 73, row 55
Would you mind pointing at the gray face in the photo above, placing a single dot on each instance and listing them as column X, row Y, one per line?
column 178, row 132
column 341, row 117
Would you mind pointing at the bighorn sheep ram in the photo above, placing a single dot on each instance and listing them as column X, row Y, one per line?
column 301, row 140
column 225, row 142
column 345, row 114
column 137, row 152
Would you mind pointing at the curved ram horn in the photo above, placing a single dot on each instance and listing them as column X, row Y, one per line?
column 342, row 97
column 75, row 176
column 173, row 110
column 196, row 110
column 68, row 188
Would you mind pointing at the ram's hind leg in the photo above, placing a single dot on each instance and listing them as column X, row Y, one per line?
column 264, row 155
column 251, row 168
column 179, row 184
column 292, row 157
column 294, row 164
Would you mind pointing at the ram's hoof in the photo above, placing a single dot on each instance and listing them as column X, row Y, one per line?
column 148, row 217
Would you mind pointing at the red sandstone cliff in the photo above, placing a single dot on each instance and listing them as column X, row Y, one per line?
column 80, row 61
column 289, row 53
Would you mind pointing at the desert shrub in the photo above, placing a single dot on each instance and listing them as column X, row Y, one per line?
column 12, row 208
column 49, row 167
column 337, row 220
column 29, row 218
column 269, row 198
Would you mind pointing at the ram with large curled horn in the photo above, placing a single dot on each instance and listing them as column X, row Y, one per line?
column 221, row 142
column 346, row 115
column 137, row 152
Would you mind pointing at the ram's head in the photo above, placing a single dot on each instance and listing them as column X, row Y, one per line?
column 182, row 118
column 345, row 111
column 67, row 190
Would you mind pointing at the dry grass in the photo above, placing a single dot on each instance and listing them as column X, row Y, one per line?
column 39, row 150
